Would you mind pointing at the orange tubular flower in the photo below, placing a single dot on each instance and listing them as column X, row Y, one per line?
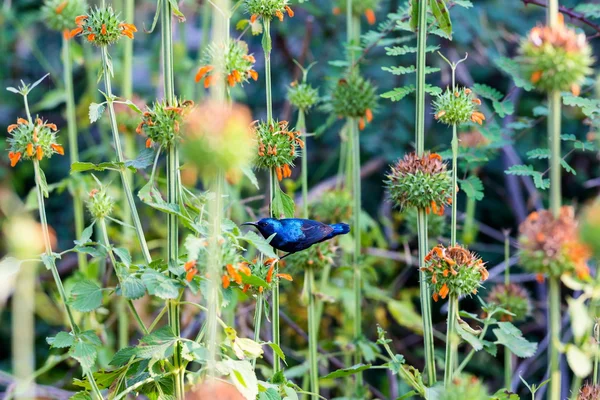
column 39, row 153
column 336, row 11
column 287, row 277
column 29, row 150
column 279, row 15
column 75, row 32
column 80, row 20
column 58, row 149
column 536, row 76
column 22, row 121
column 279, row 173
column 444, row 291
column 369, row 115
column 253, row 18
column 253, row 74
column 190, row 274
column 14, row 158
column 289, row 11
column 12, row 127
column 231, row 80
column 148, row 143
column 370, row 14
column 189, row 265
column 103, row 30
column 361, row 124
column 52, row 126
column 207, row 81
column 269, row 278
column 225, row 281
column 61, row 7
column 91, row 37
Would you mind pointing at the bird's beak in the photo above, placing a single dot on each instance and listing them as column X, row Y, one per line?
column 250, row 223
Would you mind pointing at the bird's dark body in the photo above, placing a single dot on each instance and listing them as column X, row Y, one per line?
column 295, row 234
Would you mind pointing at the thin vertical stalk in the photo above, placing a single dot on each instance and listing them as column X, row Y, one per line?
column 52, row 266
column 451, row 339
column 507, row 352
column 421, row 215
column 301, row 126
column 73, row 146
column 597, row 355
column 468, row 232
column 275, row 316
column 267, row 51
column 454, row 185
column 554, row 127
column 356, row 209
column 172, row 189
column 117, row 142
column 313, row 334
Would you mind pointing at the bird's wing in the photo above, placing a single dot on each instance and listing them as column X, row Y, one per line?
column 314, row 231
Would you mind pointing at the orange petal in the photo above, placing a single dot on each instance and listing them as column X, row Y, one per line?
column 80, row 20
column 444, row 291
column 370, row 14
column 476, row 101
column 539, row 278
column 203, row 71
column 253, row 74
column 189, row 265
column 22, row 121
column 336, row 11
column 58, row 148
column 225, row 281
column 361, row 124
column 575, row 89
column 61, row 7
column 287, row 277
column 279, row 15
column 253, row 18
column 279, row 173
column 289, row 11
column 148, row 143
column 435, row 297
column 369, row 115
column 76, row 32
column 14, row 158
column 440, row 114
column 190, row 274
column 103, row 29
column 231, row 80
column 12, row 127
column 536, row 76
column 127, row 33
column 52, row 126
column 207, row 81
column 270, row 273
column 39, row 153
column 29, row 150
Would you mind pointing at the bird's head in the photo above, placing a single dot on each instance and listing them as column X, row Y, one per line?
column 266, row 226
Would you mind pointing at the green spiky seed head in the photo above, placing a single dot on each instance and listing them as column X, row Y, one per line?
column 268, row 9
column 277, row 146
column 100, row 205
column 465, row 387
column 302, row 95
column 453, row 270
column 457, row 107
column 550, row 246
column 60, row 14
column 512, row 297
column 32, row 140
column 234, row 59
column 162, row 123
column 332, row 207
column 102, row 27
column 354, row 97
column 555, row 58
column 420, row 182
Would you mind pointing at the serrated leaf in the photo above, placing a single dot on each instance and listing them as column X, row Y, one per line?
column 260, row 243
column 540, row 111
column 143, row 160
column 503, row 108
column 253, row 280
column 441, row 15
column 86, row 296
column 504, row 394
column 251, row 176
column 277, row 350
column 398, row 94
column 567, row 167
column 589, row 10
column 95, row 111
column 511, row 337
column 123, row 356
column 469, row 338
column 61, row 340
column 538, row 154
column 85, row 354
column 159, row 344
column 123, row 255
column 472, row 186
column 487, row 92
column 132, row 287
column 341, row 373
column 402, row 50
column 512, row 68
column 86, row 236
column 160, row 285
column 283, row 205
column 463, row 3
column 88, row 166
column 408, row 70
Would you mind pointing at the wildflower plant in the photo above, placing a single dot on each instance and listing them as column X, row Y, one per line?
column 60, row 14
column 100, row 204
column 302, row 95
column 268, row 9
column 162, row 122
column 102, row 27
column 512, row 297
column 354, row 97
column 238, row 64
column 420, row 182
column 556, row 57
column 550, row 246
column 457, row 106
column 32, row 140
column 277, row 147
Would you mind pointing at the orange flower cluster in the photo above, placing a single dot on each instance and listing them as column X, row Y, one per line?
column 32, row 140
column 102, row 28
column 268, row 277
column 232, row 78
column 368, row 117
column 278, row 14
column 273, row 141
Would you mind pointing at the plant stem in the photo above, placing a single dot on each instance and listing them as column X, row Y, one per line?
column 267, row 51
column 596, row 356
column 468, row 235
column 454, row 184
column 104, row 233
column 425, row 299
column 172, row 188
column 117, row 142
column 421, row 216
column 313, row 335
column 451, row 339
column 554, row 307
column 507, row 352
column 356, row 210
column 257, row 320
column 52, row 264
column 73, row 146
column 301, row 126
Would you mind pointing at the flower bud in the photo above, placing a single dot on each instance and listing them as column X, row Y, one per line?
column 512, row 297
column 277, row 147
column 32, row 140
column 354, row 97
column 457, row 107
column 100, row 204
column 102, row 27
column 162, row 123
column 302, row 95
column 268, row 9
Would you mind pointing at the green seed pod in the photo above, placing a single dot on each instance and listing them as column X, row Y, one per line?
column 102, row 27
column 420, row 182
column 268, row 9
column 100, row 204
column 302, row 95
column 555, row 58
column 465, row 387
column 234, row 58
column 332, row 207
column 277, row 147
column 457, row 107
column 551, row 246
column 353, row 97
column 60, row 15
column 512, row 297
column 162, row 123
column 36, row 140
column 453, row 270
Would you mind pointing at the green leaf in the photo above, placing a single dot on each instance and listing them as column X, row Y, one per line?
column 253, row 280
column 175, row 10
column 527, row 170
column 86, row 296
column 61, row 340
column 589, row 10
column 43, row 183
column 159, row 344
column 487, row 92
column 341, row 373
column 408, row 70
column 472, row 186
column 404, row 314
column 538, row 154
column 512, row 68
column 283, row 205
column 95, row 111
column 123, row 356
column 540, row 111
column 277, row 350
column 160, row 285
column 86, row 236
column 510, row 336
column 579, row 361
column 414, row 14
column 400, row 51
column 442, row 16
column 463, row 3
column 469, row 338
column 85, row 354
column 567, row 167
column 88, row 166
column 269, row 394
column 48, row 261
column 260, row 243
column 504, row 394
column 250, row 175
column 133, row 106
column 143, row 160
column 504, row 108
column 133, row 287
column 588, row 106
column 34, row 84
column 51, row 100
column 81, row 396
column 398, row 94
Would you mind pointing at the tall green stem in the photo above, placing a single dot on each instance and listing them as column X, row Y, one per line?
column 267, row 50
column 468, row 232
column 275, row 315
column 301, row 126
column 451, row 339
column 313, row 335
column 507, row 352
column 172, row 188
column 73, row 146
column 454, row 184
column 54, row 270
column 117, row 142
column 422, row 216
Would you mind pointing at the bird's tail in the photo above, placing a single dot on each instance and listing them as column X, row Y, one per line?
column 340, row 229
